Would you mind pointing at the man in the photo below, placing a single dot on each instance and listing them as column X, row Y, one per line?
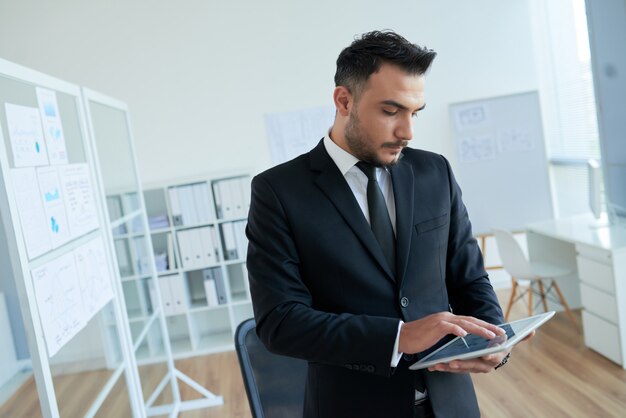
column 361, row 249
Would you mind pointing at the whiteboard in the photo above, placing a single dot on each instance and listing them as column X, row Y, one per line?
column 502, row 164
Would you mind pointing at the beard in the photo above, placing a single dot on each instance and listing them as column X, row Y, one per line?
column 361, row 143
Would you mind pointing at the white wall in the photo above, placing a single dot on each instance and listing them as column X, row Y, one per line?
column 199, row 75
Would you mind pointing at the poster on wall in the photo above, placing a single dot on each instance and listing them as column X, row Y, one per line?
column 52, row 127
column 26, row 136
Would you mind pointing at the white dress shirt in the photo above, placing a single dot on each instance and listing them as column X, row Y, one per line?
column 357, row 180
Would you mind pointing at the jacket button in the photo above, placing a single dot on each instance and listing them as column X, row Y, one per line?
column 370, row 369
column 404, row 302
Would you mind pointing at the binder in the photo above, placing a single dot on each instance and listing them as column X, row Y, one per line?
column 216, row 243
column 166, row 296
column 204, row 206
column 238, row 199
column 177, row 215
column 227, row 199
column 240, row 238
column 187, row 205
column 179, row 294
column 171, row 260
column 197, row 249
column 208, row 246
column 185, row 248
column 220, row 286
column 246, row 280
column 217, row 200
column 246, row 191
column 229, row 242
column 123, row 258
column 210, row 288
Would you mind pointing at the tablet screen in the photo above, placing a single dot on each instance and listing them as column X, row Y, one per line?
column 457, row 347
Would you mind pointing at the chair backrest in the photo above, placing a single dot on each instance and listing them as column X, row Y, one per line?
column 513, row 258
column 274, row 383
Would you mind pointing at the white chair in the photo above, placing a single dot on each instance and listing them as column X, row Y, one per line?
column 515, row 263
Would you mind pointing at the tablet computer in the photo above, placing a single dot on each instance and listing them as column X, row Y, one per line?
column 472, row 346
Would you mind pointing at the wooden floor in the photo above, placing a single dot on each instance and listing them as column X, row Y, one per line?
column 553, row 375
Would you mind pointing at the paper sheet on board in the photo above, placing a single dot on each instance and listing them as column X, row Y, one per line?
column 31, row 212
column 59, row 301
column 52, row 127
column 26, row 136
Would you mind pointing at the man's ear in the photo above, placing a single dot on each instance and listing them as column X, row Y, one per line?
column 343, row 100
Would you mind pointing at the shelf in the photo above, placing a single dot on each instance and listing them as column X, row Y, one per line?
column 136, row 277
column 199, row 328
column 236, row 261
column 168, row 272
column 206, row 308
column 180, row 345
column 129, row 236
column 140, row 318
column 197, row 225
column 210, row 266
column 135, row 315
column 215, row 341
column 235, row 219
column 161, row 230
column 197, row 304
column 238, row 297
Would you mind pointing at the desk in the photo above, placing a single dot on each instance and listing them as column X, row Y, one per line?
column 597, row 257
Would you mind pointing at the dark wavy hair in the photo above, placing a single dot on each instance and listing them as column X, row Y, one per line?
column 369, row 51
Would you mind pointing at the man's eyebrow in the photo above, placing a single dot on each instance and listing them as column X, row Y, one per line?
column 400, row 105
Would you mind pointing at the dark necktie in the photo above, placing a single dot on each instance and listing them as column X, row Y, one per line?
column 379, row 215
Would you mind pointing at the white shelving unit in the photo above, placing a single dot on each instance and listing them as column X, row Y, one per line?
column 207, row 214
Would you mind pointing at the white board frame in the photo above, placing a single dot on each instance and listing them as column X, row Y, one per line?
column 22, row 266
column 503, row 189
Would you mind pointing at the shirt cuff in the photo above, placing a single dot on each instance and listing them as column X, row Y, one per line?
column 396, row 355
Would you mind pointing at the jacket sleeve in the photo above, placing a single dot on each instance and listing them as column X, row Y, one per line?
column 287, row 321
column 469, row 289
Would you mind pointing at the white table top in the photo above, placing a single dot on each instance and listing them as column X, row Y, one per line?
column 583, row 229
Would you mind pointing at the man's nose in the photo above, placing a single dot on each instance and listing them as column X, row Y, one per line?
column 404, row 130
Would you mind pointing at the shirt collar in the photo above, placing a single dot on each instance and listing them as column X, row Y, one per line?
column 342, row 158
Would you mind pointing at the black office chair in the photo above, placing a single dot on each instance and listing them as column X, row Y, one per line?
column 274, row 384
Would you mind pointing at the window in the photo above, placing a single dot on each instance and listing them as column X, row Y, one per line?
column 568, row 102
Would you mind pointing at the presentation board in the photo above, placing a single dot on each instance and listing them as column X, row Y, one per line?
column 502, row 165
column 63, row 296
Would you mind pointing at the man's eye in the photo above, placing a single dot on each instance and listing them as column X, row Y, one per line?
column 414, row 115
column 389, row 112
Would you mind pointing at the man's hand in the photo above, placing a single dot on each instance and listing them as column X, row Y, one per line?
column 421, row 334
column 484, row 364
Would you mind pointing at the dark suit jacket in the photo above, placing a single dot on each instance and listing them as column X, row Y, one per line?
column 322, row 291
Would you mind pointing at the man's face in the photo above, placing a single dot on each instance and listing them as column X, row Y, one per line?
column 380, row 122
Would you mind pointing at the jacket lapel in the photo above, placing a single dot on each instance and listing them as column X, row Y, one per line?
column 334, row 186
column 403, row 190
